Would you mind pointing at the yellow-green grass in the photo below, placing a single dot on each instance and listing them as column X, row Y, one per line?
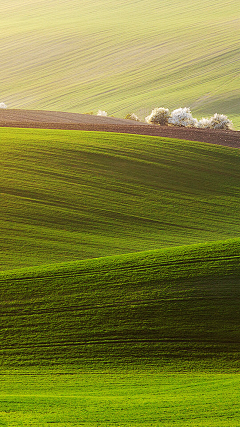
column 68, row 195
column 176, row 306
column 121, row 56
column 126, row 398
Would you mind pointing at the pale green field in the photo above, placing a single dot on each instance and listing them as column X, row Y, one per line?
column 121, row 56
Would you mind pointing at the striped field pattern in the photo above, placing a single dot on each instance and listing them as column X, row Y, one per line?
column 119, row 282
column 121, row 56
column 69, row 195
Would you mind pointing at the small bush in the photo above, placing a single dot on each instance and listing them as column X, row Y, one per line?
column 182, row 117
column 204, row 123
column 2, row 105
column 102, row 113
column 132, row 117
column 158, row 116
column 218, row 121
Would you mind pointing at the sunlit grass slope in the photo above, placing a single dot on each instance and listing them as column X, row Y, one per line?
column 121, row 56
column 74, row 195
column 171, row 305
column 129, row 398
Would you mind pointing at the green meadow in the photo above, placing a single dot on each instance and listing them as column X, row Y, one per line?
column 69, row 195
column 137, row 339
column 157, row 307
column 121, row 56
column 128, row 398
column 119, row 281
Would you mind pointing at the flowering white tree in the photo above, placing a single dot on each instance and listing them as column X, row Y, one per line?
column 182, row 117
column 132, row 117
column 158, row 116
column 218, row 121
column 102, row 113
column 2, row 105
column 204, row 123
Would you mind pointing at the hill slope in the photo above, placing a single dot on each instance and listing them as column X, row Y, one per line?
column 70, row 195
column 177, row 304
column 120, row 56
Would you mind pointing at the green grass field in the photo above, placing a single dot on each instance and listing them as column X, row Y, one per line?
column 139, row 339
column 153, row 307
column 119, row 282
column 128, row 398
column 121, row 56
column 69, row 195
column 119, row 254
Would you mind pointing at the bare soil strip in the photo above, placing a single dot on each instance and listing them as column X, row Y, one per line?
column 74, row 121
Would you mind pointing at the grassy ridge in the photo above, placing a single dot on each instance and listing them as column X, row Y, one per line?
column 121, row 56
column 173, row 304
column 73, row 195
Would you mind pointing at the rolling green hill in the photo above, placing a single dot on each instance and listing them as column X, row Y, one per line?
column 176, row 305
column 119, row 254
column 121, row 56
column 144, row 331
column 69, row 195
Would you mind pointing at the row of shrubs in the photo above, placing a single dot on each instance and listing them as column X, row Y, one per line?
column 181, row 117
column 178, row 117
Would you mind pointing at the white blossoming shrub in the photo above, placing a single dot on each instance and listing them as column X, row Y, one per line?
column 182, row 117
column 132, row 117
column 204, row 123
column 2, row 105
column 158, row 116
column 218, row 121
column 102, row 113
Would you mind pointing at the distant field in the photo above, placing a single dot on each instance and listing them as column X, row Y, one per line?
column 70, row 195
column 121, row 56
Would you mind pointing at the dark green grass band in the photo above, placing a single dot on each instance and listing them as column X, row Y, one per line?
column 144, row 308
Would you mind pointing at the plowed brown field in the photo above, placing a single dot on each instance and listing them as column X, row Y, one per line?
column 68, row 121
